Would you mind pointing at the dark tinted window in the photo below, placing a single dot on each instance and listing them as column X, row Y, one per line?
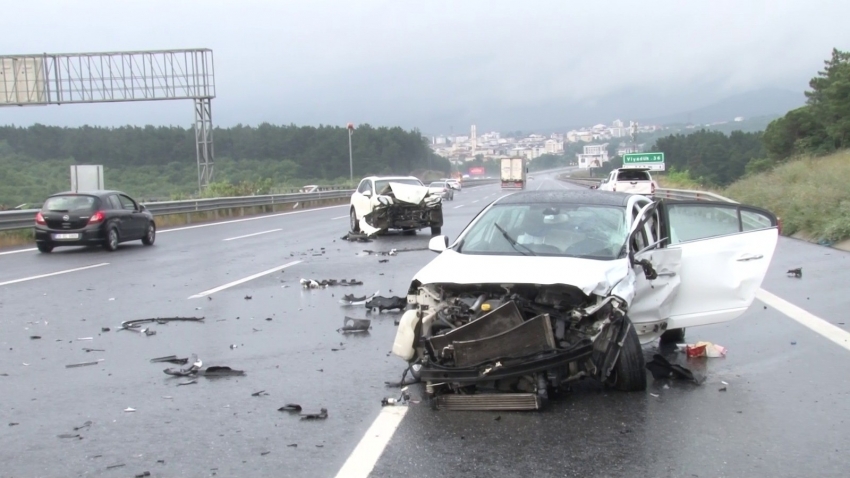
column 113, row 202
column 70, row 203
column 127, row 203
column 627, row 175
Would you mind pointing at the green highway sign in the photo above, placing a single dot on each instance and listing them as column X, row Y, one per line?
column 654, row 161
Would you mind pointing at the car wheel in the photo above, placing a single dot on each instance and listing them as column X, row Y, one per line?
column 435, row 230
column 673, row 336
column 150, row 234
column 44, row 247
column 111, row 242
column 629, row 373
column 354, row 225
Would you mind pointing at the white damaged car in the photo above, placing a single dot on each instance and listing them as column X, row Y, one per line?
column 546, row 287
column 398, row 202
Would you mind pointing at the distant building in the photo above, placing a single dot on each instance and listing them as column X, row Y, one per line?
column 553, row 146
column 738, row 119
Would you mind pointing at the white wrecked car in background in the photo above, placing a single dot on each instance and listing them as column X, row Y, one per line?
column 546, row 287
column 398, row 202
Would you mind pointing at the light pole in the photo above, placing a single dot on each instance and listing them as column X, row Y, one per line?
column 350, row 155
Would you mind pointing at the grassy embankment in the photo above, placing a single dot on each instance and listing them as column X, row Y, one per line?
column 810, row 195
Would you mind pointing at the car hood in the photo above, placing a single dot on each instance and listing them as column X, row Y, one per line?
column 409, row 193
column 589, row 275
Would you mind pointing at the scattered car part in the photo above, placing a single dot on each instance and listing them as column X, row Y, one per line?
column 258, row 394
column 290, row 407
column 386, row 303
column 350, row 299
column 401, row 400
column 190, row 382
column 351, row 325
column 131, row 324
column 128, row 409
column 798, row 272
column 220, row 371
column 490, row 402
column 170, row 359
column 323, row 413
column 661, row 369
column 84, row 364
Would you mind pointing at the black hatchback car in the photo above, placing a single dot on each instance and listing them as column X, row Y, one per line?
column 91, row 218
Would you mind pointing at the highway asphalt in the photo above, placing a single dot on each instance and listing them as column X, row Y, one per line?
column 783, row 412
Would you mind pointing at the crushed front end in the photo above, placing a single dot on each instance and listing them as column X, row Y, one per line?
column 392, row 210
column 509, row 347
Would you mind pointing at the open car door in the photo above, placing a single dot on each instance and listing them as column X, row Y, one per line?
column 725, row 251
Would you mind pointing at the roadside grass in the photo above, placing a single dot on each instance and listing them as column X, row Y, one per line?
column 811, row 195
column 16, row 238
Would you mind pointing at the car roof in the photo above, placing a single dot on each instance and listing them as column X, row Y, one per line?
column 97, row 192
column 383, row 178
column 588, row 197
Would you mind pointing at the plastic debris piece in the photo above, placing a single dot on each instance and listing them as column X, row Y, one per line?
column 105, row 329
column 661, row 368
column 265, row 453
column 130, row 324
column 383, row 260
column 352, row 325
column 128, row 409
column 292, row 445
column 170, row 359
column 386, row 303
column 69, row 435
column 220, row 371
column 351, row 299
column 82, row 364
column 190, row 382
column 248, row 297
column 323, row 413
column 110, row 467
column 722, row 389
column 143, row 474
column 150, row 332
column 290, row 407
column 798, row 272
column 258, row 394
column 84, row 425
column 703, row 349
column 655, row 395
column 86, row 338
column 35, row 337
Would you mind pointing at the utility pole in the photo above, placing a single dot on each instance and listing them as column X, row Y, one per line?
column 350, row 128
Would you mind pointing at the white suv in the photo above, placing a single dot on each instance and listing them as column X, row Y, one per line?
column 381, row 203
column 629, row 180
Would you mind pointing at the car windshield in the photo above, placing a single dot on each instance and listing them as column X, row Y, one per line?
column 69, row 203
column 632, row 175
column 382, row 184
column 564, row 230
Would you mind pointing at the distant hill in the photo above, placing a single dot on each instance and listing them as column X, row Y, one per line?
column 765, row 102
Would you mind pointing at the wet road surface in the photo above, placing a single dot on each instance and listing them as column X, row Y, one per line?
column 784, row 412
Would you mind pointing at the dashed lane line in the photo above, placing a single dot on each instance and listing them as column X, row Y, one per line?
column 243, row 280
column 41, row 276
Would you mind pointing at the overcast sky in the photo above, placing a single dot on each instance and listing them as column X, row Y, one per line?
column 436, row 64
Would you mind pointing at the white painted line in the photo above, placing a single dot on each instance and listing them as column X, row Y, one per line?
column 18, row 251
column 473, row 202
column 362, row 460
column 818, row 325
column 458, row 207
column 248, row 219
column 242, row 281
column 340, row 217
column 252, row 235
column 52, row 274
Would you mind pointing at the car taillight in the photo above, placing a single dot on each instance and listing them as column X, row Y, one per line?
column 652, row 188
column 97, row 217
column 39, row 219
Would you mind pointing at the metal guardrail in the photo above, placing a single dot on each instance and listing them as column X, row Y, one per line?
column 678, row 194
column 24, row 219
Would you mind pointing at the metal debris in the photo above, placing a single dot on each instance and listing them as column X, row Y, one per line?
column 248, row 297
column 323, row 283
column 258, row 394
column 190, row 382
column 84, row 425
column 798, row 272
column 143, row 474
column 93, row 350
column 131, row 324
column 386, row 303
column 105, row 329
column 323, row 413
column 129, row 410
column 35, row 337
column 661, row 368
column 84, row 364
column 351, row 299
column 170, row 359
column 354, row 237
column 110, row 467
column 70, row 435
column 352, row 325
column 383, row 260
column 290, row 407
column 265, row 453
column 401, row 400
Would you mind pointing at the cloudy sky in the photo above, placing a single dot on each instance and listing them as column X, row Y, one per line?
column 440, row 64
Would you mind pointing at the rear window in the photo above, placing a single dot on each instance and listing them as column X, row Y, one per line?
column 69, row 203
column 631, row 175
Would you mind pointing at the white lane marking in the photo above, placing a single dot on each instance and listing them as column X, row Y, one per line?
column 41, row 276
column 340, row 217
column 251, row 235
column 17, row 252
column 243, row 280
column 362, row 460
column 540, row 185
column 248, row 219
column 458, row 207
column 804, row 317
column 473, row 202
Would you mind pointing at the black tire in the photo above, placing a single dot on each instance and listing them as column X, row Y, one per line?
column 673, row 336
column 629, row 373
column 150, row 234
column 352, row 221
column 111, row 241
column 436, row 230
column 44, row 247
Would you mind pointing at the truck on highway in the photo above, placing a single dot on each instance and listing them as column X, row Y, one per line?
column 86, row 177
column 513, row 173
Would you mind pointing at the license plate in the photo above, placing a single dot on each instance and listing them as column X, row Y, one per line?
column 60, row 237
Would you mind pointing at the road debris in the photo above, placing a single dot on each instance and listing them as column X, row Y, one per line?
column 354, row 237
column 383, row 260
column 324, row 283
column 84, row 425
column 13, row 424
column 133, row 324
column 129, row 410
column 86, row 338
column 35, row 337
column 265, row 453
column 149, row 332
column 111, row 467
column 170, row 359
column 83, row 364
column 248, row 297
column 386, row 303
column 401, row 400
column 352, row 325
column 323, row 413
column 93, row 350
column 143, row 474
column 351, row 299
column 702, row 349
column 70, row 435
column 105, row 329
column 290, row 407
column 258, row 394
column 190, row 382
column 798, row 272
column 661, row 369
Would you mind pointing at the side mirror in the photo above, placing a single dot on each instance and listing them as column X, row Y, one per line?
column 367, row 193
column 438, row 243
column 142, row 208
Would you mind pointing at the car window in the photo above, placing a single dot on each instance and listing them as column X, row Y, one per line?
column 112, row 202
column 69, row 203
column 365, row 185
column 689, row 222
column 751, row 221
column 632, row 175
column 127, row 203
column 567, row 230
